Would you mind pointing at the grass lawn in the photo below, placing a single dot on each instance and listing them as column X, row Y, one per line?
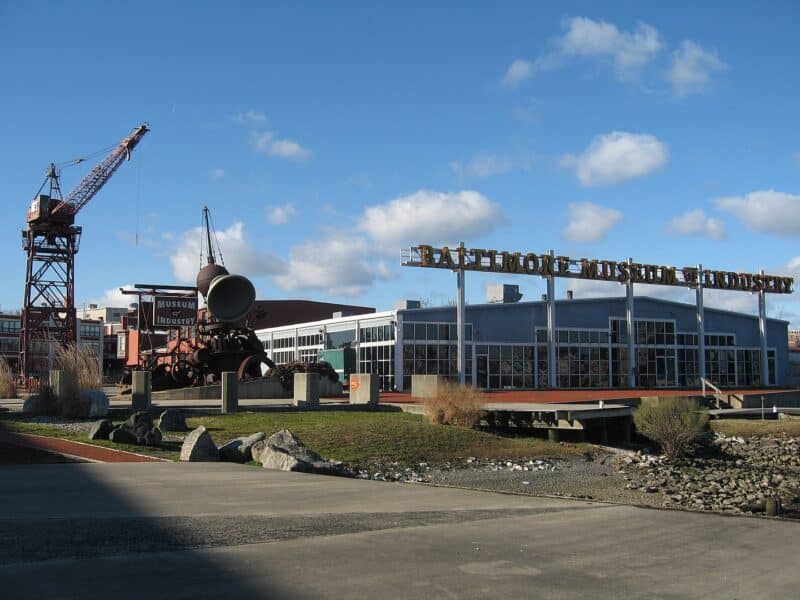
column 353, row 437
column 756, row 427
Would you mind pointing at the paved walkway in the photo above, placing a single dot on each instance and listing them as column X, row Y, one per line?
column 88, row 452
column 190, row 530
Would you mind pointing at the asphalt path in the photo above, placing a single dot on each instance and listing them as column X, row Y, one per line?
column 177, row 530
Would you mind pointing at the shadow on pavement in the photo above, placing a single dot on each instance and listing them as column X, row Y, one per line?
column 54, row 516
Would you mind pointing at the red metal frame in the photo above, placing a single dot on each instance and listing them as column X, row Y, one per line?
column 51, row 243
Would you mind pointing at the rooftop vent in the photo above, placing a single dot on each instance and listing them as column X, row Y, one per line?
column 503, row 293
column 407, row 304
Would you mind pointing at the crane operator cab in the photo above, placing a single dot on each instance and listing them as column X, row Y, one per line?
column 41, row 207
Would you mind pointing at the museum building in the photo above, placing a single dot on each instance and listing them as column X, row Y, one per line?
column 506, row 344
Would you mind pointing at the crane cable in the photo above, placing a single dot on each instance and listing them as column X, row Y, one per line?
column 138, row 194
column 214, row 231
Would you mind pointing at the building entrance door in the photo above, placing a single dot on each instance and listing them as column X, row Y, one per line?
column 665, row 370
column 482, row 371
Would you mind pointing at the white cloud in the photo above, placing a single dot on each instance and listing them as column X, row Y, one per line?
column 430, row 217
column 628, row 50
column 766, row 211
column 280, row 215
column 251, row 116
column 266, row 142
column 338, row 265
column 488, row 165
column 617, row 156
column 692, row 66
column 793, row 267
column 796, row 156
column 113, row 298
column 517, row 72
column 217, row 173
column 695, row 222
column 589, row 222
column 239, row 255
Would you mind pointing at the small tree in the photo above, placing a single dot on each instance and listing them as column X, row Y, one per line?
column 675, row 424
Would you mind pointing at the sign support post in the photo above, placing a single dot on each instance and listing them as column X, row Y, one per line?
column 461, row 352
column 701, row 325
column 631, row 327
column 551, row 327
column 762, row 330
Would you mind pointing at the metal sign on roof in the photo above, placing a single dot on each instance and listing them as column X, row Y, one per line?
column 551, row 265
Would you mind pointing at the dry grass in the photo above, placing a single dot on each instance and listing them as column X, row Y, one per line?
column 757, row 427
column 84, row 362
column 8, row 386
column 454, row 405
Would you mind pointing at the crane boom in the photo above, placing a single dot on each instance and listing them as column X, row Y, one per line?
column 93, row 181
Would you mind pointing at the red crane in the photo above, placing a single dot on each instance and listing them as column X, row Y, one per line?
column 51, row 242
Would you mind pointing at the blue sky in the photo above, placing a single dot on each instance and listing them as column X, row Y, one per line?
column 325, row 136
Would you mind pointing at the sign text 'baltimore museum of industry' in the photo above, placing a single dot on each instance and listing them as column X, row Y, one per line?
column 545, row 265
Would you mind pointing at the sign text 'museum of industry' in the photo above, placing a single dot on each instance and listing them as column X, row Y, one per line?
column 478, row 259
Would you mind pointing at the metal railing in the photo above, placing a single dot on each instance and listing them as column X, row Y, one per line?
column 718, row 393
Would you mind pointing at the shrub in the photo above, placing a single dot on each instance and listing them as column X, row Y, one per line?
column 8, row 387
column 454, row 405
column 675, row 424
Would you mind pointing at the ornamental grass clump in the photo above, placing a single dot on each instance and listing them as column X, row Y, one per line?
column 8, row 386
column 675, row 424
column 454, row 405
column 84, row 362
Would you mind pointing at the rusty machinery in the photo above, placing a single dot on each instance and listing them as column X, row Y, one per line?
column 223, row 340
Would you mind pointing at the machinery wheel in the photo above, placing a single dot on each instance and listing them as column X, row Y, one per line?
column 251, row 367
column 183, row 373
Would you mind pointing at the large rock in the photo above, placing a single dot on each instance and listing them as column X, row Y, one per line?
column 151, row 437
column 101, row 429
column 240, row 449
column 122, row 436
column 97, row 402
column 139, row 423
column 32, row 404
column 198, row 446
column 286, row 452
column 40, row 405
column 172, row 419
column 140, row 426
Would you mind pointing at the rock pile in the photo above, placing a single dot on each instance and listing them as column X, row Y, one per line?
column 730, row 475
column 138, row 429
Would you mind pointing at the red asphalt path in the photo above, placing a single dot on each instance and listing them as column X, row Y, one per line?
column 72, row 449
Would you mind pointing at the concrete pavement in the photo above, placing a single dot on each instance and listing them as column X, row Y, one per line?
column 211, row 530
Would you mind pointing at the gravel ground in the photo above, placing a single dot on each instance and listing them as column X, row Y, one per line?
column 731, row 475
column 74, row 426
column 591, row 476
